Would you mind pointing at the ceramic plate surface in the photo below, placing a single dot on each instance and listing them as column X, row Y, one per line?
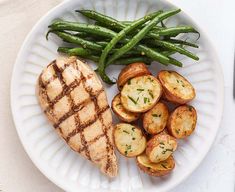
column 50, row 153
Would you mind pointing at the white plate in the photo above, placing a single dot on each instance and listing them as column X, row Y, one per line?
column 66, row 168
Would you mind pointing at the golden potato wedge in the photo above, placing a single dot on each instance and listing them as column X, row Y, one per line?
column 176, row 88
column 130, row 71
column 155, row 120
column 121, row 112
column 182, row 121
column 160, row 147
column 129, row 139
column 141, row 93
column 155, row 169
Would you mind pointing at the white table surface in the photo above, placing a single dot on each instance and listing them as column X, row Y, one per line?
column 17, row 172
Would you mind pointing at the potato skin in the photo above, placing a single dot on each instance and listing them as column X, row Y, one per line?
column 141, row 93
column 130, row 71
column 176, row 88
column 155, row 120
column 182, row 121
column 129, row 139
column 155, row 169
column 121, row 112
column 160, row 147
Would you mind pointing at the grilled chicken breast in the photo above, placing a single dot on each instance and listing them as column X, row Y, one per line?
column 75, row 102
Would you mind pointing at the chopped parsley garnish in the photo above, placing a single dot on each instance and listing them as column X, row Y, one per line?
column 177, row 81
column 126, row 152
column 137, row 99
column 156, row 115
column 133, row 128
column 161, row 143
column 140, row 90
column 129, row 82
column 183, row 85
column 128, row 147
column 133, row 100
column 151, row 93
column 133, row 138
column 126, row 132
column 145, row 99
column 171, row 150
column 151, row 80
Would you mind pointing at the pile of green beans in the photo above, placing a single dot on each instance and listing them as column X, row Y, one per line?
column 112, row 42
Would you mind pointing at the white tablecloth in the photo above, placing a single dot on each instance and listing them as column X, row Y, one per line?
column 17, row 172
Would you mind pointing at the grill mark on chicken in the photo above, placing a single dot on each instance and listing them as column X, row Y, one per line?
column 43, row 89
column 86, row 124
column 67, row 91
column 52, row 78
column 91, row 142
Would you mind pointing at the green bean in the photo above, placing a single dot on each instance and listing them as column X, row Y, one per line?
column 129, row 22
column 82, row 34
column 76, row 40
column 139, row 36
column 81, row 27
column 119, row 36
column 171, row 31
column 102, row 43
column 102, row 18
column 176, row 30
column 126, row 61
column 175, row 62
column 163, row 25
column 92, row 57
column 182, row 42
column 176, row 48
column 77, row 51
column 168, row 53
column 154, row 55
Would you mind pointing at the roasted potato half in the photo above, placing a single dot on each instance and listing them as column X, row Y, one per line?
column 130, row 71
column 129, row 139
column 176, row 88
column 160, row 147
column 182, row 121
column 155, row 169
column 155, row 120
column 141, row 93
column 121, row 112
